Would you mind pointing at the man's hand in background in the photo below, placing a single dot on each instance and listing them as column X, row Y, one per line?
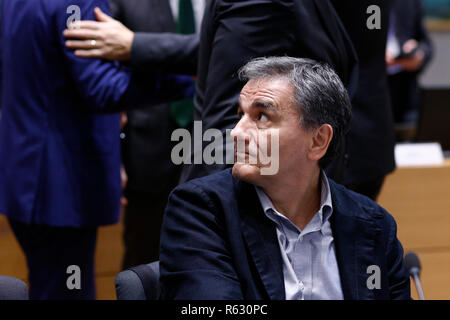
column 412, row 63
column 124, row 178
column 106, row 39
column 123, row 173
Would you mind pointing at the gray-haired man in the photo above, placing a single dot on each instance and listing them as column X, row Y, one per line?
column 240, row 234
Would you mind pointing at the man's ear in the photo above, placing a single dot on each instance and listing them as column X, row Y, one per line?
column 321, row 139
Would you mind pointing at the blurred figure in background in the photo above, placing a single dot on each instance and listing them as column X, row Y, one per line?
column 145, row 39
column 370, row 141
column 409, row 50
column 146, row 147
column 59, row 150
column 0, row 64
column 233, row 32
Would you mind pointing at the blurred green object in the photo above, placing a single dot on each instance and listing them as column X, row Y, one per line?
column 183, row 111
column 437, row 8
column 186, row 18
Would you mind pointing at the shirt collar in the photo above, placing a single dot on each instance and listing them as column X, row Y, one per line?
column 326, row 206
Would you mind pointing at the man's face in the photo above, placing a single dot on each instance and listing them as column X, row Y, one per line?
column 266, row 108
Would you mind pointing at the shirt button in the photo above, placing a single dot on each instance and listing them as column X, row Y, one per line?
column 301, row 238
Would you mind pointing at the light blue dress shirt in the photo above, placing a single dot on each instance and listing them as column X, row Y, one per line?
column 310, row 268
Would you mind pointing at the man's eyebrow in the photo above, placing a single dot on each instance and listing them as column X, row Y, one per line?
column 257, row 104
column 263, row 105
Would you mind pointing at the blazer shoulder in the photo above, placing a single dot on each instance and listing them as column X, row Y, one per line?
column 218, row 185
column 361, row 206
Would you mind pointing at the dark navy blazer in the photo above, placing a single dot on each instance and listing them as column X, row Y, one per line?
column 59, row 160
column 217, row 243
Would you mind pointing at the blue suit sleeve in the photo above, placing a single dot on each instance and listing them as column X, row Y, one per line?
column 1, row 55
column 195, row 261
column 99, row 82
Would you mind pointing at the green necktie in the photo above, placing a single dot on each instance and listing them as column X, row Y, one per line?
column 183, row 111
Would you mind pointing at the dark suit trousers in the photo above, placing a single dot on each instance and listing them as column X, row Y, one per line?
column 146, row 156
column 142, row 226
column 405, row 97
column 49, row 252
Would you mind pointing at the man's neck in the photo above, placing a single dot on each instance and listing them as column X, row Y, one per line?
column 297, row 197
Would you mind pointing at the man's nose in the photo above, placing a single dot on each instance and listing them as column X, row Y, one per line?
column 242, row 128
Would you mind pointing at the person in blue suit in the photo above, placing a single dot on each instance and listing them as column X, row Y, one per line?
column 59, row 141
column 252, row 232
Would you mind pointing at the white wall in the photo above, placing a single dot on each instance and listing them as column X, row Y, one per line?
column 437, row 74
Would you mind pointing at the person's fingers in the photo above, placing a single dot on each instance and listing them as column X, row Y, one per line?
column 409, row 64
column 101, row 16
column 82, row 34
column 94, row 53
column 389, row 59
column 123, row 119
column 123, row 177
column 85, row 24
column 83, row 44
column 410, row 45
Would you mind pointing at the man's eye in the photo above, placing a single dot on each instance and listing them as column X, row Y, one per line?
column 262, row 117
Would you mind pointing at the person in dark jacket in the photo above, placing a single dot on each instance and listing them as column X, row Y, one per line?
column 233, row 32
column 59, row 141
column 369, row 152
column 408, row 52
column 293, row 234
column 146, row 147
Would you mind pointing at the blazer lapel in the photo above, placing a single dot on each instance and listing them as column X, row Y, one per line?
column 344, row 228
column 260, row 235
column 354, row 232
column 355, row 237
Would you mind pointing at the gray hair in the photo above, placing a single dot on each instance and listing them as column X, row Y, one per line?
column 320, row 97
